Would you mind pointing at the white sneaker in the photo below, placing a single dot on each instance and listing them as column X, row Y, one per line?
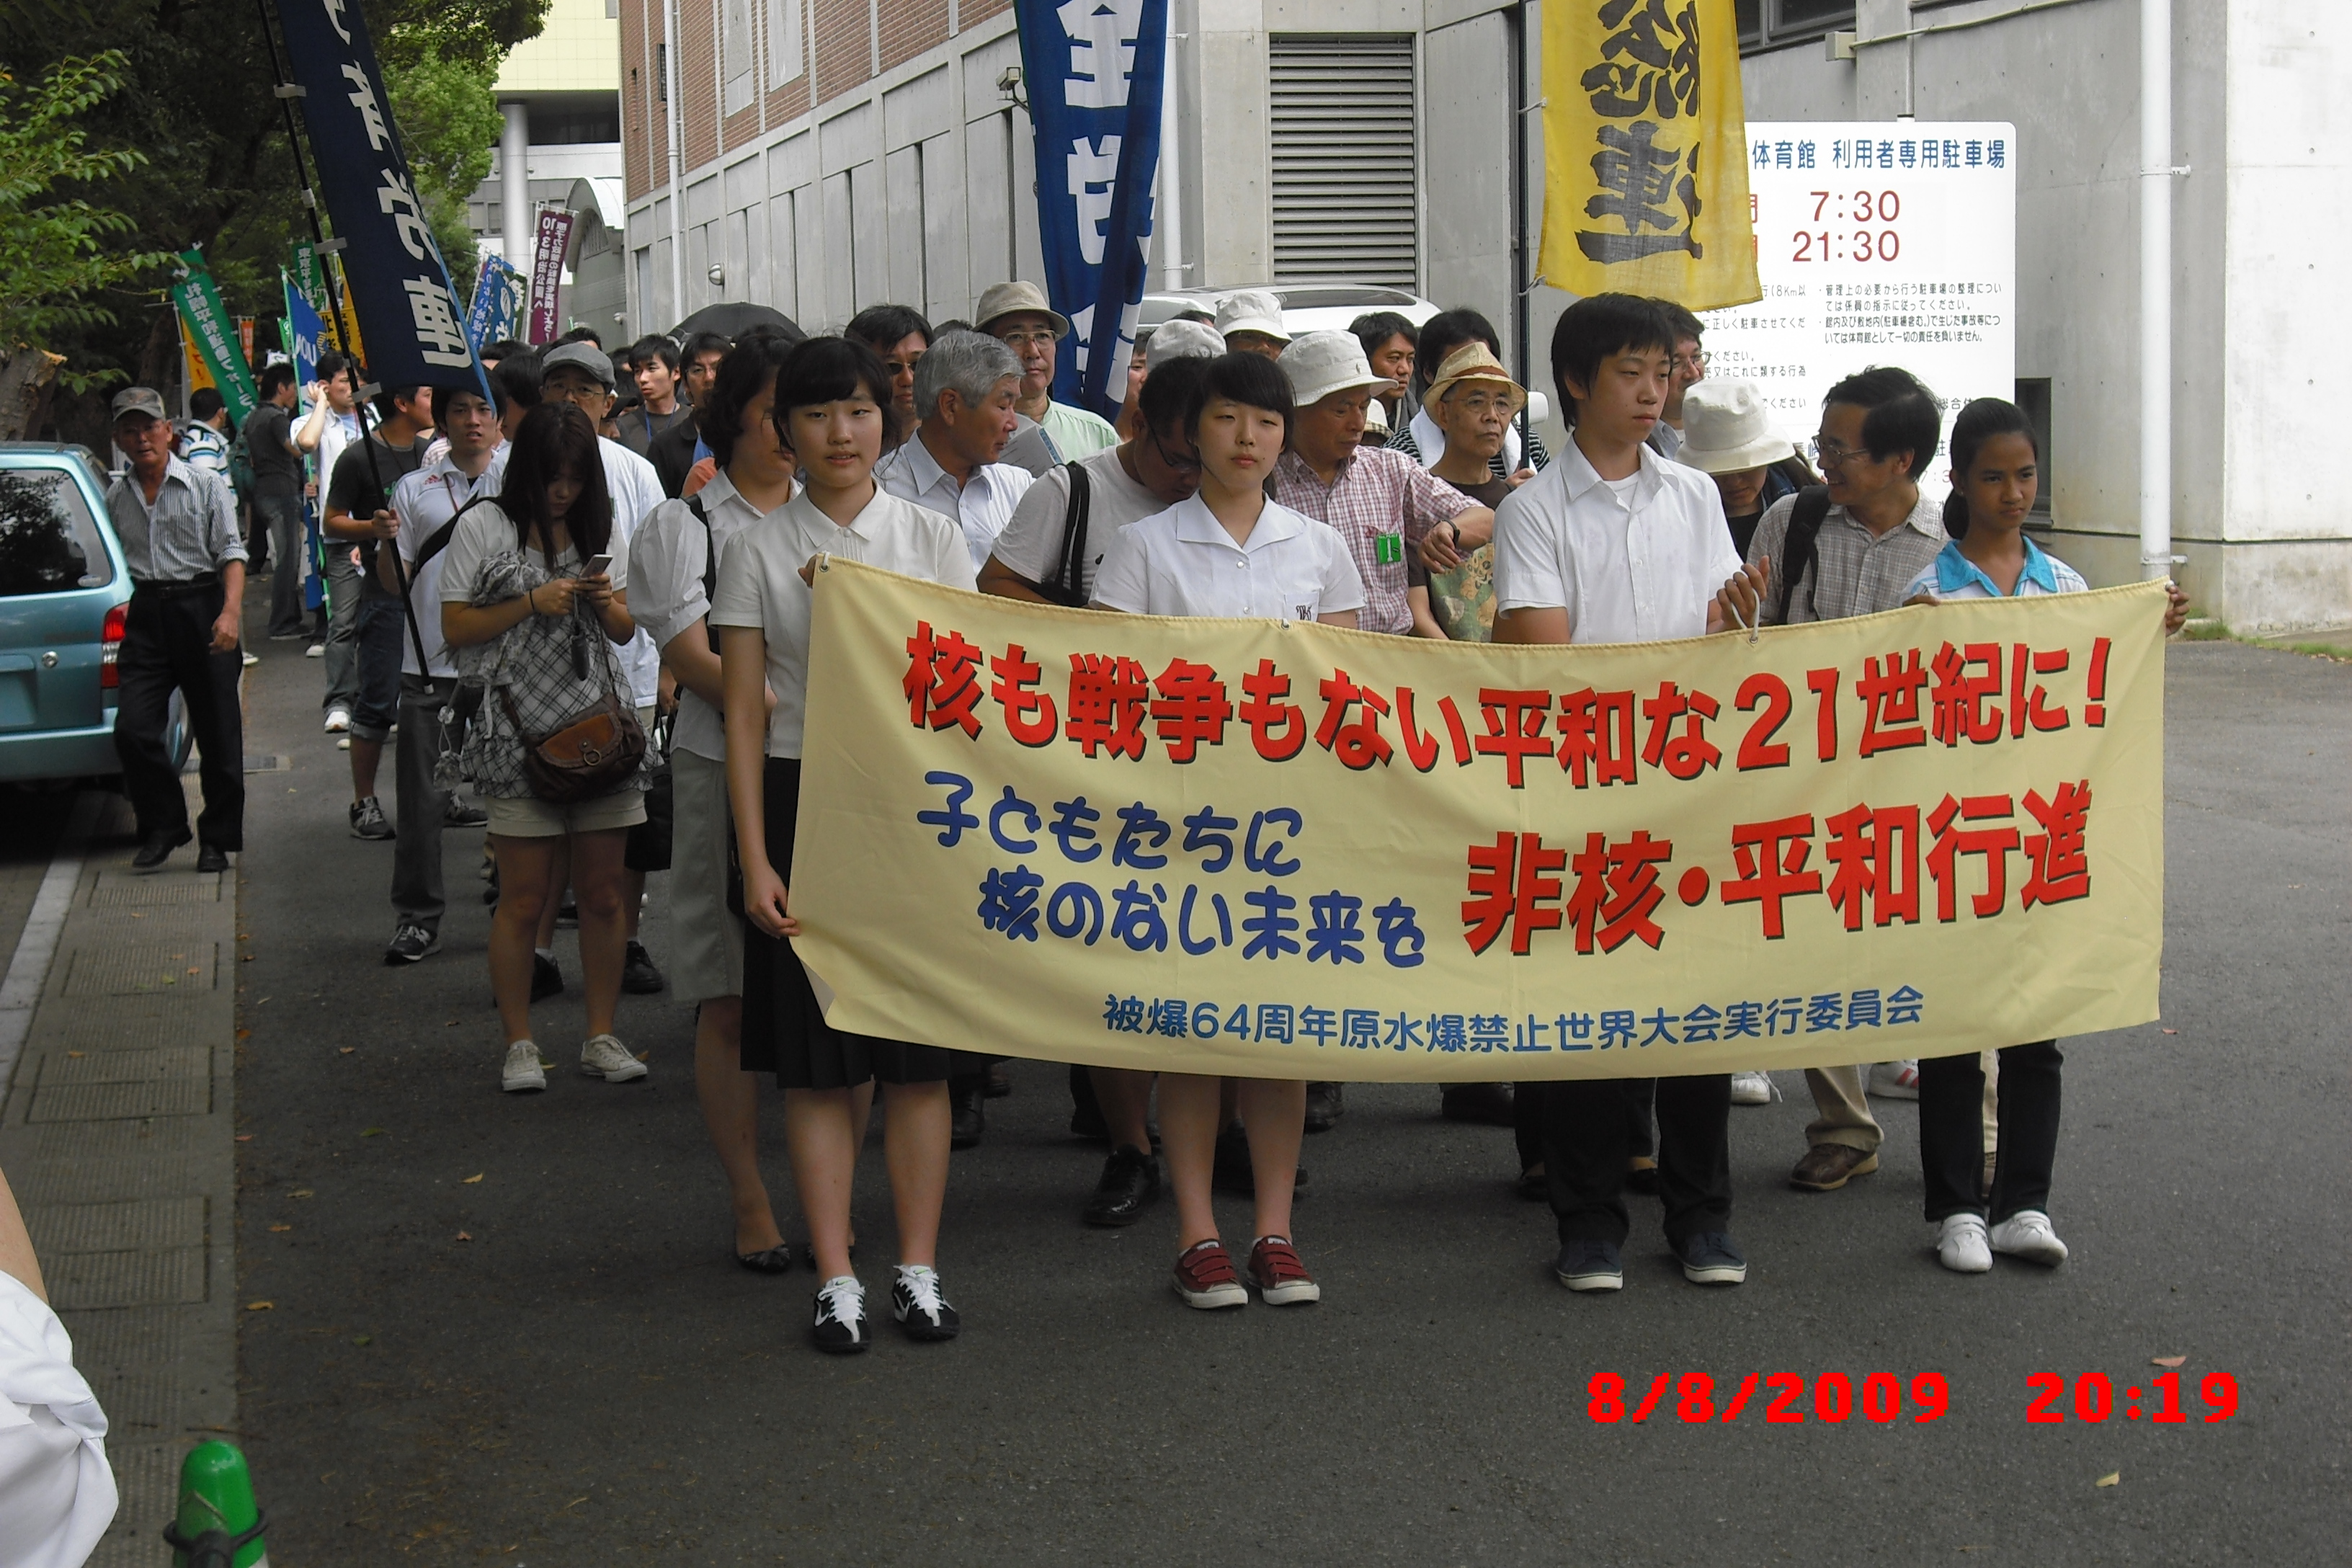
column 2027, row 1234
column 1896, row 1080
column 604, row 1057
column 316, row 650
column 338, row 720
column 524, row 1074
column 1961, row 1245
column 1753, row 1088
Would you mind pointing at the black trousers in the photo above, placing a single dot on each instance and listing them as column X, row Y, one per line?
column 167, row 644
column 1528, row 1119
column 1589, row 1134
column 1952, row 1130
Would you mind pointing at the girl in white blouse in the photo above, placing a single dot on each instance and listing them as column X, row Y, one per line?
column 832, row 409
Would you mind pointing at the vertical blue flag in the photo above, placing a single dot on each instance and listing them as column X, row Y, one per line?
column 398, row 285
column 302, row 320
column 1095, row 70
column 498, row 298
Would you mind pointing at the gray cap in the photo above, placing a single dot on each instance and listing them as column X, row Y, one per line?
column 138, row 400
column 579, row 356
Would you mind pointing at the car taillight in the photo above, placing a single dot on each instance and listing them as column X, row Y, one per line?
column 109, row 647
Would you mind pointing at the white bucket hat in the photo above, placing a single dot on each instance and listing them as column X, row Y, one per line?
column 1183, row 338
column 1251, row 311
column 1726, row 429
column 1320, row 363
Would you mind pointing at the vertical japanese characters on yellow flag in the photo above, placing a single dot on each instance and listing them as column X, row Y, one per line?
column 1645, row 178
column 1279, row 850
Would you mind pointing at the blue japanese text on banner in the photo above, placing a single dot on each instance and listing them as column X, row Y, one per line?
column 498, row 293
column 399, row 285
column 1094, row 70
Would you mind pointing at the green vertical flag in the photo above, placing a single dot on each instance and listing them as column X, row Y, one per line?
column 214, row 334
column 308, row 276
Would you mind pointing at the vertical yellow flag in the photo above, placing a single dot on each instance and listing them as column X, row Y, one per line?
column 1645, row 173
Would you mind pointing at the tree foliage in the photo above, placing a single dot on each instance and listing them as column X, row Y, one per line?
column 447, row 112
column 58, row 251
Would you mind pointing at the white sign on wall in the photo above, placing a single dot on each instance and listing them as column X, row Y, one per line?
column 1877, row 243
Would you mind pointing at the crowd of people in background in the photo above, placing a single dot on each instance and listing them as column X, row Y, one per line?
column 578, row 594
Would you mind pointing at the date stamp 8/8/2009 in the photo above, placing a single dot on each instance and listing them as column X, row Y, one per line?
column 1882, row 1398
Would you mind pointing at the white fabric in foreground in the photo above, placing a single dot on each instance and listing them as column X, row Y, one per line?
column 57, row 1493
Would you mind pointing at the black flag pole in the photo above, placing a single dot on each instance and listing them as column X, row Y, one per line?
column 287, row 93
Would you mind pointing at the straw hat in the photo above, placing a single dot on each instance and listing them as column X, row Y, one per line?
column 1471, row 362
column 1726, row 429
column 1251, row 311
column 1014, row 298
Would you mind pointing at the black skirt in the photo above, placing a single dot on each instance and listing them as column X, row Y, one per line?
column 784, row 1030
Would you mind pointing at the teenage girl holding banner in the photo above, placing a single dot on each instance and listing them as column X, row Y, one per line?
column 832, row 411
column 1996, row 472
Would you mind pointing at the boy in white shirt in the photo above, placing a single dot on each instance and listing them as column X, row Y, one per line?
column 1614, row 543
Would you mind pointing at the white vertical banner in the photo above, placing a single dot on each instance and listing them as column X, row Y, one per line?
column 1879, row 243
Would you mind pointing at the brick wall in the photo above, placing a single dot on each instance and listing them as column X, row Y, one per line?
column 644, row 153
column 843, row 33
column 910, row 27
column 697, row 24
column 790, row 100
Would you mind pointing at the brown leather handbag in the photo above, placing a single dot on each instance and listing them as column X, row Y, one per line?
column 598, row 753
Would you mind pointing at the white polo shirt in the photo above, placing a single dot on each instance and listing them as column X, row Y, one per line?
column 666, row 563
column 424, row 501
column 1634, row 559
column 636, row 489
column 1182, row 561
column 759, row 582
column 980, row 506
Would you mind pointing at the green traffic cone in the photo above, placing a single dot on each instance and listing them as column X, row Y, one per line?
column 218, row 1525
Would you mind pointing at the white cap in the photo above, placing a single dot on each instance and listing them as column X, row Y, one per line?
column 1183, row 339
column 1251, row 311
column 1320, row 363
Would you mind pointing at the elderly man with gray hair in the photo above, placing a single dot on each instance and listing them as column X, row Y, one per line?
column 965, row 385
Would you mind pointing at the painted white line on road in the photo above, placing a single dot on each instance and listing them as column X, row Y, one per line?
column 29, row 971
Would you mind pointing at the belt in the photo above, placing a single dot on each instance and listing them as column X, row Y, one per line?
column 176, row 588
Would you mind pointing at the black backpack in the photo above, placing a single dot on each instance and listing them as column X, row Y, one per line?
column 709, row 566
column 1797, row 547
column 1067, row 585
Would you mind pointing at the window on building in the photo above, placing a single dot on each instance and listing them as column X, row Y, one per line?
column 1344, row 158
column 2034, row 401
column 785, row 52
column 1768, row 24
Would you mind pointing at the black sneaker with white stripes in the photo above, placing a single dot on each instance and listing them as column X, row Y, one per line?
column 922, row 1309
column 840, row 1323
column 410, row 944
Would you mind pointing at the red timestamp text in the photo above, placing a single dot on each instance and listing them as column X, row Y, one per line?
column 1782, row 1398
column 2094, row 1397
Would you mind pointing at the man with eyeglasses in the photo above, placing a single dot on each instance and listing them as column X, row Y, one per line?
column 1687, row 368
column 1851, row 551
column 1017, row 315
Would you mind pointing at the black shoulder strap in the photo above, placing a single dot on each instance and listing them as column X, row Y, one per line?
column 1067, row 585
column 1797, row 548
column 438, row 540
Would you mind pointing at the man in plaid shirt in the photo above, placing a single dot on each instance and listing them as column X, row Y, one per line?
column 1382, row 502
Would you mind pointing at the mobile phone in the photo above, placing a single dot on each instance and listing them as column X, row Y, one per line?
column 597, row 566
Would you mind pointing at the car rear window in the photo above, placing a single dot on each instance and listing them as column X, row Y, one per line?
column 49, row 543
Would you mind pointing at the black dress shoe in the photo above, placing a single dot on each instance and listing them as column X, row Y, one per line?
column 546, row 980
column 158, row 849
column 1000, row 1080
column 1129, row 1184
column 1324, row 1107
column 212, row 858
column 638, row 975
column 967, row 1120
column 1487, row 1103
column 777, row 1259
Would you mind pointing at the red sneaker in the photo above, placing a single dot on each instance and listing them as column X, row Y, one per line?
column 1278, row 1275
column 1205, row 1277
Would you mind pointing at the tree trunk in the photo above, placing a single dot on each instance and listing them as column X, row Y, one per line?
column 24, row 379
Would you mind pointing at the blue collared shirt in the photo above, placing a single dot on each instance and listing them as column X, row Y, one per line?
column 1952, row 575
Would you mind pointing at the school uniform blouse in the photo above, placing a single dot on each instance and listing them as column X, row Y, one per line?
column 1952, row 575
column 1183, row 562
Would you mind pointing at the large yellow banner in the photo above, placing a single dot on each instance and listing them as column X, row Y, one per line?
column 1645, row 165
column 1284, row 850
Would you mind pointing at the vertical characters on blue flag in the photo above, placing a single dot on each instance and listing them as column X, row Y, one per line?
column 309, row 331
column 498, row 300
column 1094, row 70
column 399, row 285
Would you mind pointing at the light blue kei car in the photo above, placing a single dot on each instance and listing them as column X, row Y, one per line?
column 64, row 590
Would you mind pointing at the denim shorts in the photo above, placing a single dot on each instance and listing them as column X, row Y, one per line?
column 383, row 628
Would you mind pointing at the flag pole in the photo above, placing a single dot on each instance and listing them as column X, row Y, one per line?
column 287, row 93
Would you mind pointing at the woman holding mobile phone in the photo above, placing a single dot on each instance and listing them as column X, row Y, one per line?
column 534, row 600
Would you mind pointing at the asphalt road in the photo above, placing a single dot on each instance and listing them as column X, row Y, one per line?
column 590, row 1378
